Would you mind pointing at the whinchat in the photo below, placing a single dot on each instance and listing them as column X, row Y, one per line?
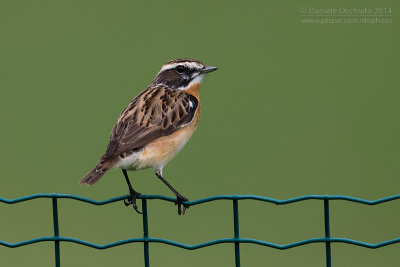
column 156, row 125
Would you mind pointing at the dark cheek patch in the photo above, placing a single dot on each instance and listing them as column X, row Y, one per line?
column 174, row 80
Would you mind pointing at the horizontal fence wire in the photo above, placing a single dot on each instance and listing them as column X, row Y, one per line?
column 236, row 240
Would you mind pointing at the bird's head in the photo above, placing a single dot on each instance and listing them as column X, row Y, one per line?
column 180, row 74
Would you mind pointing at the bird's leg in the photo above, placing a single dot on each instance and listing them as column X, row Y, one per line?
column 179, row 198
column 132, row 192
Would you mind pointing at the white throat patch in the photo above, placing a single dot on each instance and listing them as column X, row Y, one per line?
column 198, row 79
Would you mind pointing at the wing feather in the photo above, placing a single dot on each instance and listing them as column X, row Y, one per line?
column 156, row 112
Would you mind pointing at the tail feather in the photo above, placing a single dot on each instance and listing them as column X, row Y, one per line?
column 94, row 175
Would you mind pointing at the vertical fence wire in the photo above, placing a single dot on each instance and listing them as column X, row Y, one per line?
column 236, row 231
column 327, row 233
column 145, row 233
column 56, row 232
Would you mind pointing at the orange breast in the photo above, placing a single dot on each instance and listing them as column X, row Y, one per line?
column 194, row 90
column 159, row 152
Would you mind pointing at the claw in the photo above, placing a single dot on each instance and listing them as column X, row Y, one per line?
column 179, row 202
column 136, row 209
column 132, row 201
column 127, row 202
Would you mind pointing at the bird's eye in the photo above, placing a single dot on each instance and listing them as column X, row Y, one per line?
column 180, row 69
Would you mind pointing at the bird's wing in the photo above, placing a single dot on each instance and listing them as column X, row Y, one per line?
column 156, row 112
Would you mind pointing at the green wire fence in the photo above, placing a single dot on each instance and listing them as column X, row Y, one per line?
column 236, row 239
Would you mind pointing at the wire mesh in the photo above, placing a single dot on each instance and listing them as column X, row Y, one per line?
column 236, row 239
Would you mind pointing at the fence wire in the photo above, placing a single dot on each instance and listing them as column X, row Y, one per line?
column 236, row 239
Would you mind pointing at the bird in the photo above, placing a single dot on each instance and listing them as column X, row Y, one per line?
column 155, row 126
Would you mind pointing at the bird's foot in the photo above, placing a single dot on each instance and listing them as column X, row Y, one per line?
column 179, row 201
column 132, row 201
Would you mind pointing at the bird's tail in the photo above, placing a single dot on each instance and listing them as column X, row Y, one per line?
column 94, row 175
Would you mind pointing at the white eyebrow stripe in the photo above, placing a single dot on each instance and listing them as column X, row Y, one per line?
column 191, row 65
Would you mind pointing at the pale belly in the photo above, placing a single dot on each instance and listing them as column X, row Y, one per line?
column 159, row 152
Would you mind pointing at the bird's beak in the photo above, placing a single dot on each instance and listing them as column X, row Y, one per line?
column 209, row 69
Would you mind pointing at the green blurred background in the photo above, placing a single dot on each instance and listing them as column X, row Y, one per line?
column 294, row 109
